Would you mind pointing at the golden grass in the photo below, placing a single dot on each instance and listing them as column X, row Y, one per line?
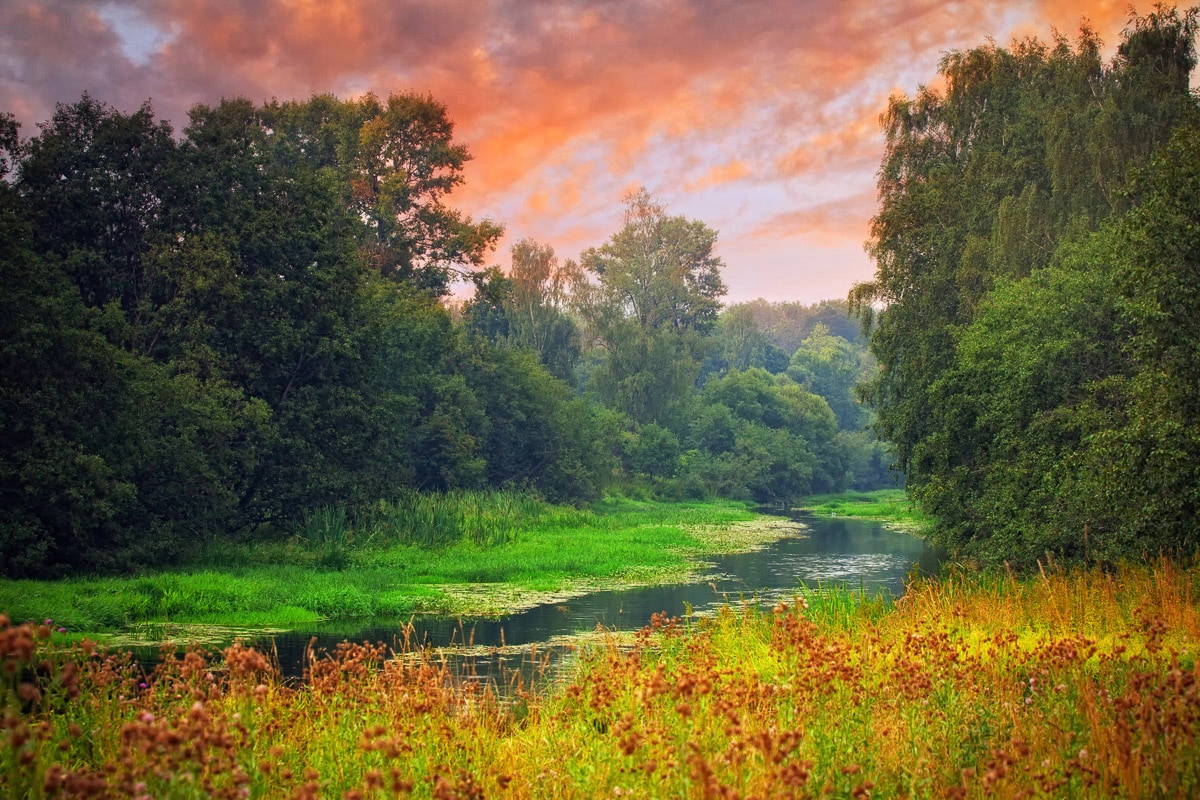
column 1076, row 684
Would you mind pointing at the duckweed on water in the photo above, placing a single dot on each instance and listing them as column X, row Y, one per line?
column 1081, row 684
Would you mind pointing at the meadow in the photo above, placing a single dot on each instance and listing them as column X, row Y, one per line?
column 466, row 553
column 1063, row 684
column 890, row 506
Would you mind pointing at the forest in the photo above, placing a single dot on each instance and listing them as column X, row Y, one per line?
column 1035, row 305
column 218, row 334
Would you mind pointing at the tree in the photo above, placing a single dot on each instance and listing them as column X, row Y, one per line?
column 111, row 454
column 741, row 344
column 395, row 163
column 1013, row 420
column 1145, row 466
column 537, row 307
column 526, row 307
column 1026, row 148
column 765, row 438
column 831, row 367
column 656, row 292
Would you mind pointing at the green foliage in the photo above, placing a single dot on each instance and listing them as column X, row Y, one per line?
column 786, row 324
column 1035, row 378
column 657, row 290
column 764, row 438
column 831, row 367
column 652, row 450
column 742, row 344
column 526, row 308
column 1026, row 146
column 395, row 162
column 239, row 328
column 1143, row 468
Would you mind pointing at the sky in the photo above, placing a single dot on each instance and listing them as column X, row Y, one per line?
column 759, row 117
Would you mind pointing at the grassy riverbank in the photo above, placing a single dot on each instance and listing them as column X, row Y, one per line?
column 466, row 554
column 884, row 505
column 1081, row 684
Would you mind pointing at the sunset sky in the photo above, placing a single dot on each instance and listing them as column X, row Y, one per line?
column 760, row 118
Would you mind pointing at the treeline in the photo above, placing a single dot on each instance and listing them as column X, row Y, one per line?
column 1036, row 305
column 216, row 333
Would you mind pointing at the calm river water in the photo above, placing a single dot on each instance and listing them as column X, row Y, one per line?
column 826, row 551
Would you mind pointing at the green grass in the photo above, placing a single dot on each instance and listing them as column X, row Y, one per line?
column 886, row 505
column 497, row 553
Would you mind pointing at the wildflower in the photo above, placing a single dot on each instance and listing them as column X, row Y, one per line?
column 147, row 717
column 62, row 630
column 49, row 621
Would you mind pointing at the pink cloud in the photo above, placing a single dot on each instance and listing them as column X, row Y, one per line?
column 742, row 110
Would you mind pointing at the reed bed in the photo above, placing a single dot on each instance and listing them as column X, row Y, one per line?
column 1075, row 684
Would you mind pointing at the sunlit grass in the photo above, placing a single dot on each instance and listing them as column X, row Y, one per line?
column 885, row 505
column 1076, row 684
column 334, row 570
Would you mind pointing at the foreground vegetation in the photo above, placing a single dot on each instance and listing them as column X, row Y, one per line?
column 1077, row 684
column 465, row 553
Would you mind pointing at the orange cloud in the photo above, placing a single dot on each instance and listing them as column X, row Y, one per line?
column 734, row 107
column 825, row 223
column 728, row 172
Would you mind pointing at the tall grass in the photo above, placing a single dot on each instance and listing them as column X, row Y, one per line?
column 427, row 519
column 1076, row 684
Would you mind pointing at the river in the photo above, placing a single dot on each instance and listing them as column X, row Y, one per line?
column 830, row 552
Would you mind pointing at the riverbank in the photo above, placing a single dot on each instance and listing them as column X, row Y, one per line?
column 543, row 554
column 1077, row 684
column 889, row 506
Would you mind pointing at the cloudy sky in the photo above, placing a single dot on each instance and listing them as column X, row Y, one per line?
column 759, row 117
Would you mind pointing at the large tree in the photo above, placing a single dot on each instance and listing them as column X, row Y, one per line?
column 396, row 162
column 1010, row 379
column 1025, row 147
column 655, row 289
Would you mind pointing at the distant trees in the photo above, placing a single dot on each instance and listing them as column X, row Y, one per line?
column 638, row 324
column 656, row 291
column 1019, row 276
column 528, row 307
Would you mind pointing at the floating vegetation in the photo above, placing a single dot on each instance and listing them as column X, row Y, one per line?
column 157, row 634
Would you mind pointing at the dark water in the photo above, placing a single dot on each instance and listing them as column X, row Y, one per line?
column 827, row 551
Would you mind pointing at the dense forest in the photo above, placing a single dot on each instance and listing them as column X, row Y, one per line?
column 1036, row 306
column 217, row 333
